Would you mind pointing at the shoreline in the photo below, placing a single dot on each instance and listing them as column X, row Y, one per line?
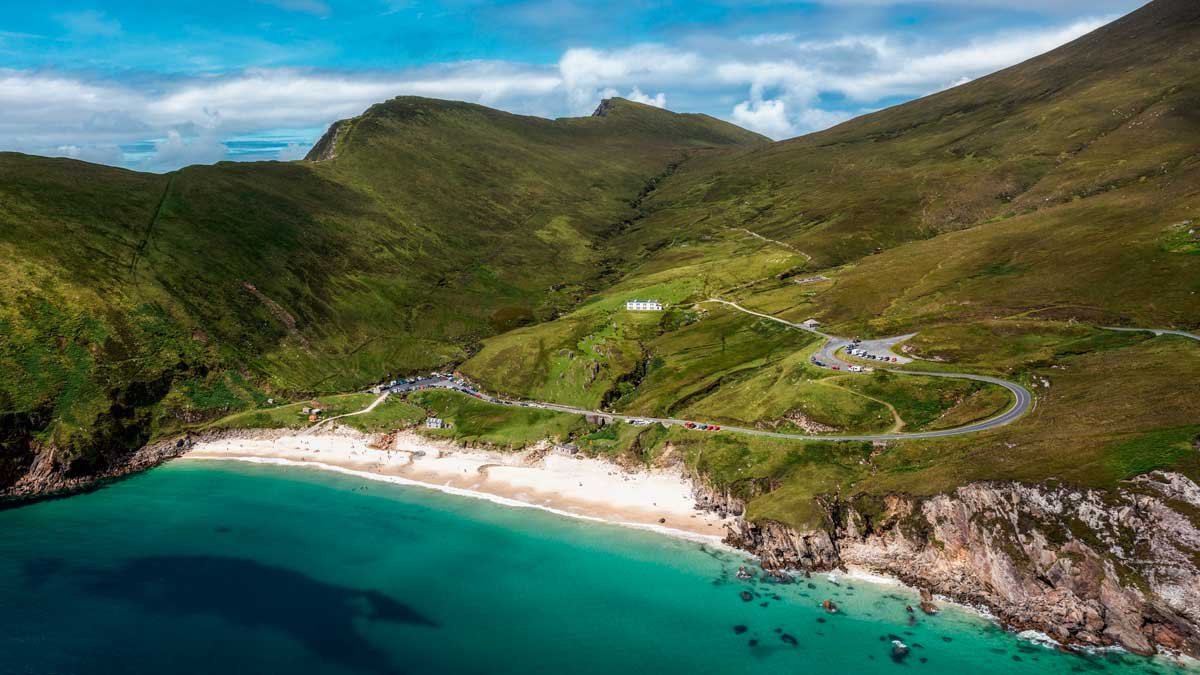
column 536, row 479
column 657, row 500
column 711, row 540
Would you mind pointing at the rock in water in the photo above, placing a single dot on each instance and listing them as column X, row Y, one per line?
column 899, row 651
column 830, row 606
column 739, row 629
column 789, row 639
column 746, row 596
column 927, row 605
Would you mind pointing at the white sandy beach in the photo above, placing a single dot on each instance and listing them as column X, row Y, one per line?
column 659, row 499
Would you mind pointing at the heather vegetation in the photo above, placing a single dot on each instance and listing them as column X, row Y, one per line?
column 1005, row 222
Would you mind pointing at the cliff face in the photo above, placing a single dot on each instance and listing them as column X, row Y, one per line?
column 48, row 474
column 1087, row 567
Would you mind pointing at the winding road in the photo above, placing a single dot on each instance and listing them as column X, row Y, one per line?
column 826, row 357
column 1156, row 331
column 1022, row 398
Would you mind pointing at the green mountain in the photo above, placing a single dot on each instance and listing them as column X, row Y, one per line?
column 1005, row 221
column 1068, row 175
column 133, row 305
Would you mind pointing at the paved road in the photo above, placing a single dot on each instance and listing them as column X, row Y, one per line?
column 1022, row 398
column 1156, row 331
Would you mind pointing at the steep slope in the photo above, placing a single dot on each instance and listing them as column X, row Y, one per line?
column 131, row 304
column 1073, row 175
column 1006, row 222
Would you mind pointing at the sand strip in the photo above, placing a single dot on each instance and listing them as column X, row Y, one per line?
column 658, row 499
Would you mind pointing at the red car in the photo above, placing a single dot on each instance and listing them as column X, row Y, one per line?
column 690, row 425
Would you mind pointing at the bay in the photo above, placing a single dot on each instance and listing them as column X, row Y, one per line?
column 222, row 567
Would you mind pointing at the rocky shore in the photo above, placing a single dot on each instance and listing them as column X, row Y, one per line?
column 51, row 475
column 1086, row 567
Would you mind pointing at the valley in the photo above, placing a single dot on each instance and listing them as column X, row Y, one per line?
column 953, row 340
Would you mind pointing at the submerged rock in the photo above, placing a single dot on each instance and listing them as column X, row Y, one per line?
column 739, row 629
column 899, row 651
column 789, row 639
column 746, row 596
column 927, row 605
column 1037, row 578
column 829, row 606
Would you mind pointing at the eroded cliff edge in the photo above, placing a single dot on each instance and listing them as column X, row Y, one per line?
column 1087, row 567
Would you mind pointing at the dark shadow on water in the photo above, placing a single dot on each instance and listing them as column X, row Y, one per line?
column 319, row 615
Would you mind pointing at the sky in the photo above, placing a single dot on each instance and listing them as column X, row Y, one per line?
column 156, row 86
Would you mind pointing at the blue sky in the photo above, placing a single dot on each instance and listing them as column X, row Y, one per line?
column 155, row 86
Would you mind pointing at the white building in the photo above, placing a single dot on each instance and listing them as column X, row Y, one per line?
column 643, row 305
column 434, row 423
column 811, row 323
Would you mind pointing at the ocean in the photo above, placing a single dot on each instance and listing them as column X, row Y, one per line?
column 224, row 567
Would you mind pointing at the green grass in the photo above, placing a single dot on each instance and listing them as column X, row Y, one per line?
column 136, row 305
column 924, row 402
column 292, row 416
column 394, row 413
column 474, row 421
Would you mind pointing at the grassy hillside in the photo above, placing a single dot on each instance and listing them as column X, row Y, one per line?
column 1004, row 221
column 133, row 304
column 1063, row 185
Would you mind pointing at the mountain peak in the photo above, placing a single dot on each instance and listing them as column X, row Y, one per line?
column 605, row 106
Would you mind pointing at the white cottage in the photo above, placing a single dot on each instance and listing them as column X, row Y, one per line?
column 643, row 305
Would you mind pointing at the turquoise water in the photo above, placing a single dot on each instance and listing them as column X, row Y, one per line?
column 203, row 567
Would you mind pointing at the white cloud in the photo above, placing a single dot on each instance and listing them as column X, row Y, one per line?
column 919, row 74
column 659, row 100
column 175, row 150
column 767, row 117
column 815, row 119
column 778, row 84
column 96, row 154
column 586, row 72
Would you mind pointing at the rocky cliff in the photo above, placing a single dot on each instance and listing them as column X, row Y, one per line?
column 1087, row 567
column 49, row 474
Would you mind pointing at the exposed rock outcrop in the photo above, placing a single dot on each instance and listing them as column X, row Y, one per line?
column 326, row 147
column 1087, row 567
column 50, row 475
column 604, row 108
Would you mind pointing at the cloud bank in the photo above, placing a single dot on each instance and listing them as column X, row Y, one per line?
column 780, row 84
